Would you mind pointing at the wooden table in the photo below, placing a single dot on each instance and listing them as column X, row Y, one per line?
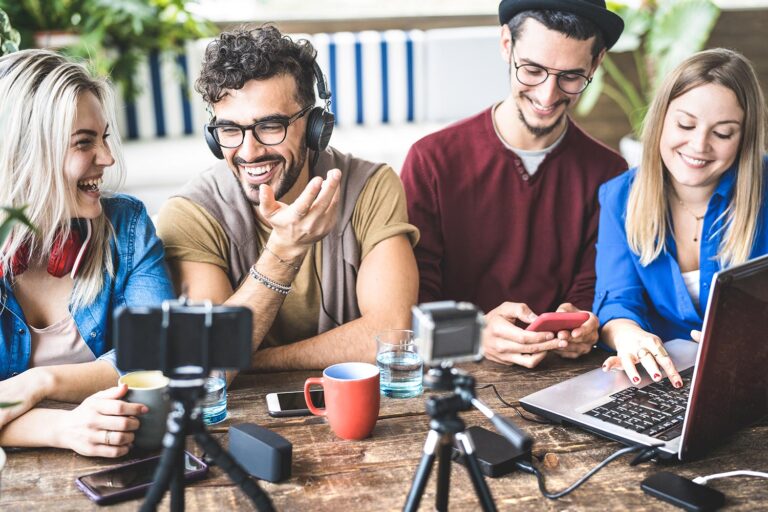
column 376, row 473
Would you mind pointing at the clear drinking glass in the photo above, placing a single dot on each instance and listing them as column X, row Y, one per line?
column 400, row 365
column 214, row 403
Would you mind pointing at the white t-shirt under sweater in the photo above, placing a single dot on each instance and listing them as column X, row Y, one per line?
column 531, row 159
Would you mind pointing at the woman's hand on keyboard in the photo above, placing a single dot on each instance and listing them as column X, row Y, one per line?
column 635, row 345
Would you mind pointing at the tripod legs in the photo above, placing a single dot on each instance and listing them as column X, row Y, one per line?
column 473, row 467
column 444, row 472
column 170, row 471
column 422, row 472
column 444, row 444
column 237, row 474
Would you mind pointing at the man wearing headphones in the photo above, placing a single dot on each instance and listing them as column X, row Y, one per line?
column 506, row 201
column 314, row 241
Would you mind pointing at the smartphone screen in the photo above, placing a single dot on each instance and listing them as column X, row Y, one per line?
column 292, row 403
column 132, row 479
column 295, row 399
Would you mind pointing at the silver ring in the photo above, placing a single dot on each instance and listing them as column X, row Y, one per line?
column 642, row 352
column 106, row 437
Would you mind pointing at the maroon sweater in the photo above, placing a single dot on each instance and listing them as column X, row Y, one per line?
column 490, row 232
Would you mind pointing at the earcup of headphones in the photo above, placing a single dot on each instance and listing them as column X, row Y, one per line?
column 319, row 128
column 212, row 144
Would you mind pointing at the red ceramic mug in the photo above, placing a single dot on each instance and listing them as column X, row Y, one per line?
column 351, row 398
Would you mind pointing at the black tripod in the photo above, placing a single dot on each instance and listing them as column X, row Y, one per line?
column 186, row 387
column 447, row 430
column 184, row 419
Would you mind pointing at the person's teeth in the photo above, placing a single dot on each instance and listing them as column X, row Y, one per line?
column 258, row 171
column 90, row 184
column 693, row 161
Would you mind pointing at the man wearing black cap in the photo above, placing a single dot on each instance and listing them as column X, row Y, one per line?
column 506, row 200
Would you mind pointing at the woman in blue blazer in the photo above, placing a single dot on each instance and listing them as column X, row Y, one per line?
column 695, row 205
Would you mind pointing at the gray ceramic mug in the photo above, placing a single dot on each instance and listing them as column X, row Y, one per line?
column 148, row 388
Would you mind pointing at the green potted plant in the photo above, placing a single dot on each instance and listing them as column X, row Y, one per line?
column 659, row 35
column 115, row 35
column 9, row 37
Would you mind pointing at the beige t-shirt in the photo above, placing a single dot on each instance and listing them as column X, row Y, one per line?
column 190, row 233
column 59, row 343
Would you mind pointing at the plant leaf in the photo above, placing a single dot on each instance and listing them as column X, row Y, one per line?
column 679, row 30
column 5, row 405
column 13, row 216
column 636, row 24
column 591, row 94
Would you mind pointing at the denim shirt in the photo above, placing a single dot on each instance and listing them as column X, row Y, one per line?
column 655, row 296
column 140, row 279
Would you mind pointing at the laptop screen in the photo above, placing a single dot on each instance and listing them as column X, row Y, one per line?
column 730, row 384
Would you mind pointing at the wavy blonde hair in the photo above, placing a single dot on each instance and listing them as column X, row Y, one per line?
column 39, row 91
column 648, row 220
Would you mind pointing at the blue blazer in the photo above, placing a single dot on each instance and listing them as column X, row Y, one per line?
column 655, row 295
column 140, row 279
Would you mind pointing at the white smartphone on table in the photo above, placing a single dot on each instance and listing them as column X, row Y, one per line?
column 292, row 403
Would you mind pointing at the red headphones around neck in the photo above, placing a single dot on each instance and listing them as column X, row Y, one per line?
column 66, row 254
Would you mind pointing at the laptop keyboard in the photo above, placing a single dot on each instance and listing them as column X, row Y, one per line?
column 656, row 410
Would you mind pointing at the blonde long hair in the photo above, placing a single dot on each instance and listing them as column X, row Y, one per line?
column 648, row 220
column 39, row 91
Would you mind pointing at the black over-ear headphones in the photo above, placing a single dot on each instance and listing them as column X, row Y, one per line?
column 320, row 121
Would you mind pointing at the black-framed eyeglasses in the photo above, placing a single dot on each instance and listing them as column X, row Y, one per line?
column 269, row 133
column 569, row 82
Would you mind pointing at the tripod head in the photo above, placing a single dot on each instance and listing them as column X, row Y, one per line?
column 445, row 378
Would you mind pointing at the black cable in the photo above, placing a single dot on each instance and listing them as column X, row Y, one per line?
column 317, row 276
column 527, row 467
column 514, row 407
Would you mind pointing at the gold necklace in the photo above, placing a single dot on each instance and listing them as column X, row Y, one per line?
column 697, row 217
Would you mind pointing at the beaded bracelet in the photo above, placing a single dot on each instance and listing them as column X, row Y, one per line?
column 269, row 283
column 281, row 260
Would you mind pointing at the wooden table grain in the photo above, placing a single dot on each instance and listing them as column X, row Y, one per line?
column 376, row 473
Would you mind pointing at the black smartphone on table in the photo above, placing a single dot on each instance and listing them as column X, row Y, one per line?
column 132, row 480
column 292, row 403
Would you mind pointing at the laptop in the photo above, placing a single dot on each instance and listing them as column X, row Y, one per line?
column 725, row 379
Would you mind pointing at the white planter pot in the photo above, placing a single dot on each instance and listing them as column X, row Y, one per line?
column 631, row 149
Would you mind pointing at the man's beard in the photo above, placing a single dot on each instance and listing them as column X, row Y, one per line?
column 540, row 131
column 287, row 179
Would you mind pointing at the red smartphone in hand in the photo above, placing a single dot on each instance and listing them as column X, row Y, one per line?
column 555, row 322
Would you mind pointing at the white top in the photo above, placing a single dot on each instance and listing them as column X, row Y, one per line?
column 59, row 343
column 531, row 159
column 692, row 284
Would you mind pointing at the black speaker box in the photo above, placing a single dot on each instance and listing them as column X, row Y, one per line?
column 261, row 452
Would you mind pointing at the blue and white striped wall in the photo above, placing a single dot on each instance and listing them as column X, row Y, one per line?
column 375, row 78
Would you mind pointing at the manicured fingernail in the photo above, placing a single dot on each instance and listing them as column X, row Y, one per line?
column 635, row 379
column 678, row 383
column 550, row 336
column 656, row 376
column 605, row 367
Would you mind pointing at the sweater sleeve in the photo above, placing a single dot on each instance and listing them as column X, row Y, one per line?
column 619, row 290
column 418, row 176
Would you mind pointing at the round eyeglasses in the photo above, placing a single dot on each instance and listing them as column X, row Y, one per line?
column 569, row 82
column 269, row 132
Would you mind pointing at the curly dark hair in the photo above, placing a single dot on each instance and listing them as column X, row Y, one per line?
column 236, row 57
column 572, row 25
